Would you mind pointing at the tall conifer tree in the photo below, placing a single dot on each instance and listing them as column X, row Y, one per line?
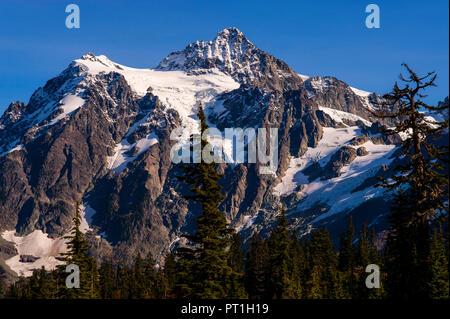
column 207, row 259
column 419, row 189
column 78, row 254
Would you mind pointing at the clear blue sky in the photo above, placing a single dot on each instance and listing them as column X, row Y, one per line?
column 313, row 37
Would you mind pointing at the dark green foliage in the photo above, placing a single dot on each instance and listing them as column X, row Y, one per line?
column 305, row 270
column 170, row 274
column 323, row 264
column 419, row 189
column 78, row 254
column 107, row 280
column 255, row 270
column 236, row 262
column 280, row 266
column 438, row 285
column 347, row 251
column 204, row 268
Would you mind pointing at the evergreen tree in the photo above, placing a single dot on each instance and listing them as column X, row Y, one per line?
column 255, row 268
column 363, row 248
column 315, row 282
column 121, row 291
column 280, row 281
column 2, row 285
column 78, row 254
column 348, row 259
column 185, row 262
column 346, row 250
column 366, row 254
column 140, row 286
column 374, row 255
column 324, row 265
column 34, row 284
column 236, row 262
column 298, row 266
column 438, row 260
column 149, row 276
column 208, row 257
column 419, row 189
column 160, row 285
column 170, row 274
column 106, row 280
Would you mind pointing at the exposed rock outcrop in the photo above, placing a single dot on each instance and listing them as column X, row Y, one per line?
column 344, row 156
column 362, row 151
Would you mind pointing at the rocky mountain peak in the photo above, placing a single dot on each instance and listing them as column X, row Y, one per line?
column 226, row 51
column 98, row 58
column 232, row 53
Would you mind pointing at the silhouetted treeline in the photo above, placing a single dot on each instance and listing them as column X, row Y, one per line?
column 281, row 266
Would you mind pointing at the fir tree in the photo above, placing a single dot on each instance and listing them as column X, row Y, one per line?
column 279, row 284
column 419, row 189
column 346, row 250
column 255, row 268
column 298, row 266
column 236, row 263
column 438, row 261
column 324, row 265
column 170, row 274
column 121, row 291
column 149, row 276
column 315, row 282
column 208, row 257
column 107, row 280
column 366, row 254
column 348, row 259
column 363, row 248
column 140, row 285
column 78, row 254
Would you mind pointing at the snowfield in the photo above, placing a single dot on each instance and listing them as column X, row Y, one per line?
column 360, row 92
column 176, row 89
column 336, row 192
column 35, row 244
column 69, row 104
column 118, row 162
column 338, row 116
column 39, row 245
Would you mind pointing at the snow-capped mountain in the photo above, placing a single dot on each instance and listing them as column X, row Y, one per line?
column 233, row 54
column 99, row 134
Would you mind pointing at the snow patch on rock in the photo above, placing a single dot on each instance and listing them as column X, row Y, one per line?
column 338, row 116
column 36, row 244
column 335, row 192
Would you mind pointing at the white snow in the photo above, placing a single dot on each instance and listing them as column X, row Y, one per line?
column 247, row 222
column 335, row 192
column 16, row 148
column 69, row 103
column 119, row 160
column 176, row 239
column 319, row 83
column 303, row 77
column 360, row 92
column 338, row 116
column 175, row 89
column 36, row 244
column 332, row 140
column 86, row 217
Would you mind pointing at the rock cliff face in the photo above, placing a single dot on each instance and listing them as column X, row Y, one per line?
column 232, row 53
column 99, row 134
